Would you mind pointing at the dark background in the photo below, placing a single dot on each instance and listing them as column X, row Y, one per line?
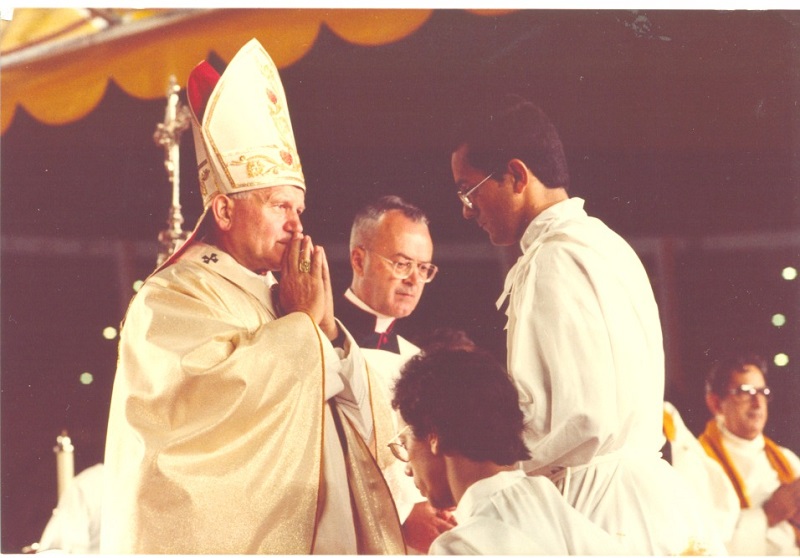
column 682, row 131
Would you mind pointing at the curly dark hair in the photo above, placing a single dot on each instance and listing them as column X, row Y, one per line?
column 720, row 372
column 514, row 129
column 467, row 398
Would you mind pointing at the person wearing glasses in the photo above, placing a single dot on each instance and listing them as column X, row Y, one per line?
column 765, row 476
column 462, row 441
column 584, row 340
column 390, row 255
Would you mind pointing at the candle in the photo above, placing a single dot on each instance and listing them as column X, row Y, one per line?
column 65, row 461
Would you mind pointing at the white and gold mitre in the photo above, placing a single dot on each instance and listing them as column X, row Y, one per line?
column 240, row 121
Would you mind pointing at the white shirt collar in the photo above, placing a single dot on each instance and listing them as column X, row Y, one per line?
column 382, row 322
column 480, row 491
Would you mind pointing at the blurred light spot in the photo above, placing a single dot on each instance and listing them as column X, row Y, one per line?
column 789, row 273
column 781, row 359
column 86, row 378
column 778, row 320
column 111, row 332
column 137, row 285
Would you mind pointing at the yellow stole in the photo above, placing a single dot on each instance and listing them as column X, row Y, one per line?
column 711, row 440
column 669, row 427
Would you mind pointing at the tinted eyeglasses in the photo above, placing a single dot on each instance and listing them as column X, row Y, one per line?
column 745, row 392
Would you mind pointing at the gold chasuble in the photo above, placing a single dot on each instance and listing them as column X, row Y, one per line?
column 216, row 427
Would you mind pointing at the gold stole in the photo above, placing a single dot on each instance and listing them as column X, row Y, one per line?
column 669, row 427
column 374, row 513
column 711, row 440
column 375, row 517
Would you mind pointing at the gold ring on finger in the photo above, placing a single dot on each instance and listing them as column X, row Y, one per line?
column 305, row 266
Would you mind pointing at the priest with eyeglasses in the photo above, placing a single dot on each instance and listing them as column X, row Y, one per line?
column 391, row 254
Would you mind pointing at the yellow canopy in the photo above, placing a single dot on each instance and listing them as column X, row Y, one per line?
column 56, row 63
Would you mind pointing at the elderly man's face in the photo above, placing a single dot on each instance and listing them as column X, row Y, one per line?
column 261, row 226
column 396, row 238
column 745, row 415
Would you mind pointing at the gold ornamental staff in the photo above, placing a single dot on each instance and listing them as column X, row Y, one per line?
column 168, row 135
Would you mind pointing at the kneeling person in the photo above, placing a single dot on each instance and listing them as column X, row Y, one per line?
column 462, row 442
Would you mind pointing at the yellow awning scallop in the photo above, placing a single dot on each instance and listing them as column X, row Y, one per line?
column 56, row 64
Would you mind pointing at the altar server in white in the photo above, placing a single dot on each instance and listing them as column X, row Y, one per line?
column 583, row 335
column 463, row 440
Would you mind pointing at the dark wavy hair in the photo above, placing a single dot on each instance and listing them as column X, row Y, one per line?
column 514, row 129
column 467, row 398
column 721, row 371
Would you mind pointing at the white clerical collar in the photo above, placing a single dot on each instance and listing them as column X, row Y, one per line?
column 382, row 322
column 742, row 444
column 478, row 492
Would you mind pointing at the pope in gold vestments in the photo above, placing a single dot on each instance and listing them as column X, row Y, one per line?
column 218, row 421
column 234, row 428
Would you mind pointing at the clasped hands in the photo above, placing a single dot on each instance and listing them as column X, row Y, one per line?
column 305, row 284
column 784, row 504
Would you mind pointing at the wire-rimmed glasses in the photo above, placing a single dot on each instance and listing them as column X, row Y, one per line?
column 403, row 268
column 464, row 196
column 399, row 450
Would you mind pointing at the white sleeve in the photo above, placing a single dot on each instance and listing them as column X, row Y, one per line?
column 448, row 544
column 753, row 537
column 346, row 380
column 74, row 525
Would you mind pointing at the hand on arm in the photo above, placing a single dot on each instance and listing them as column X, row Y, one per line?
column 783, row 504
column 424, row 524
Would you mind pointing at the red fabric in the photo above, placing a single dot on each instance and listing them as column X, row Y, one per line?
column 201, row 84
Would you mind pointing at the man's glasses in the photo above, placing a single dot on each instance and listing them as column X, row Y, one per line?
column 464, row 196
column 403, row 268
column 746, row 391
column 398, row 449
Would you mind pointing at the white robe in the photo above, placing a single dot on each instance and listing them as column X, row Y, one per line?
column 752, row 535
column 511, row 513
column 585, row 350
column 705, row 476
column 74, row 527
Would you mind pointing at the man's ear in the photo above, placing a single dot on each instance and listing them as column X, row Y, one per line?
column 357, row 260
column 713, row 403
column 433, row 441
column 222, row 207
column 520, row 173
